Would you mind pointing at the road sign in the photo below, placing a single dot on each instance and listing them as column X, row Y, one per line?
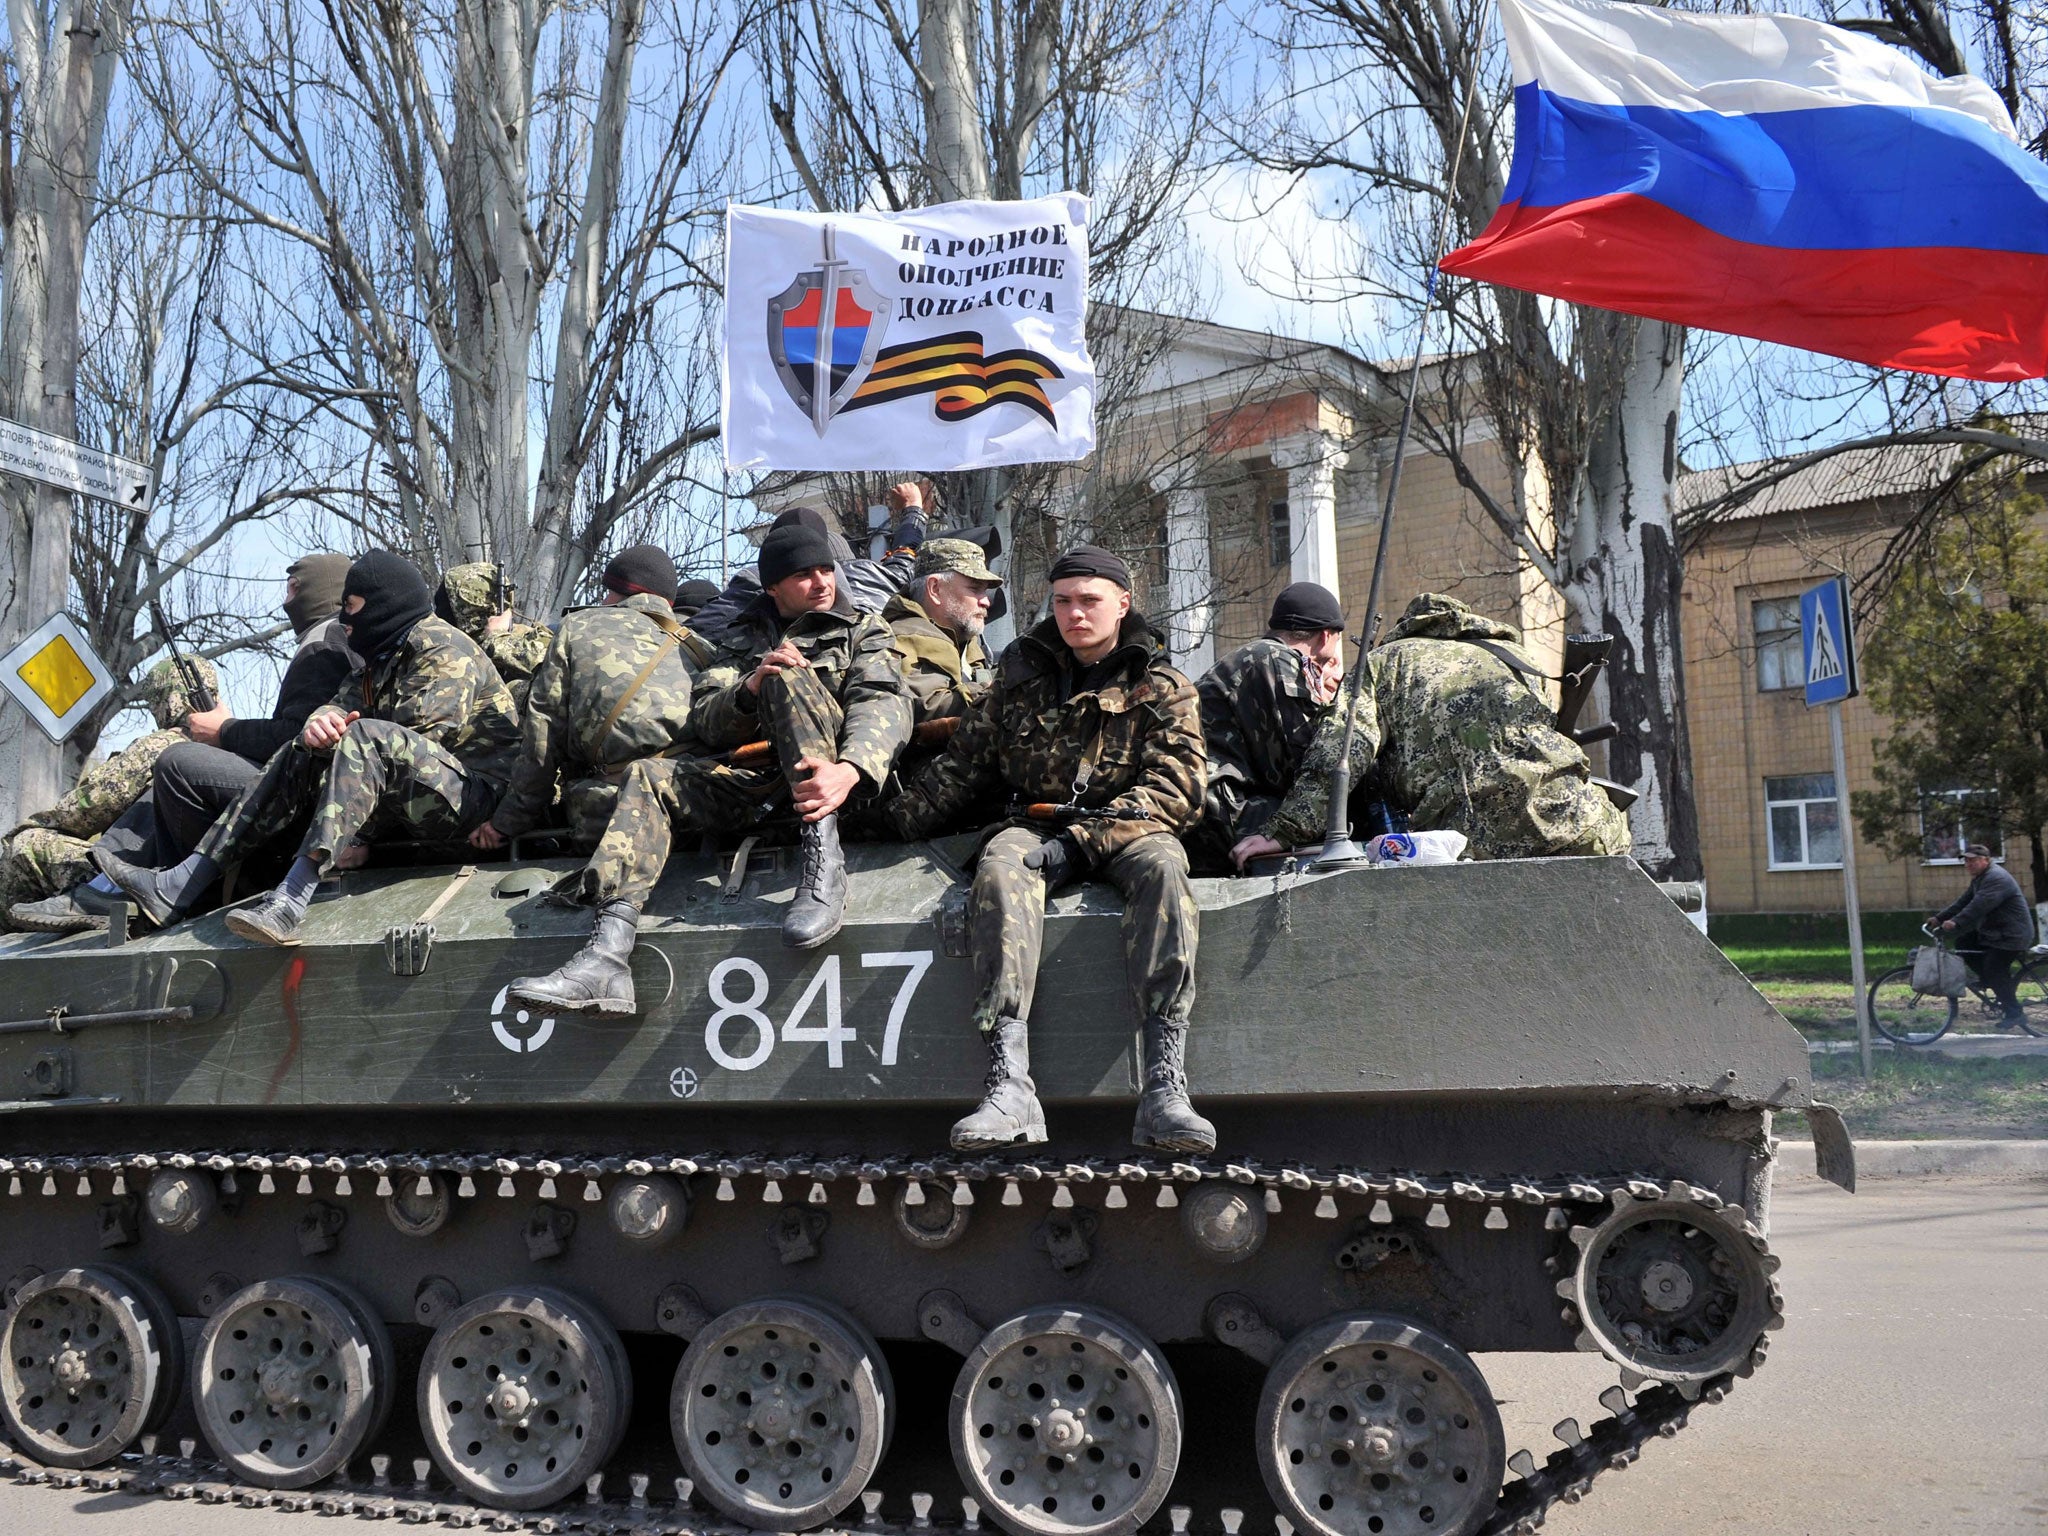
column 1827, row 644
column 70, row 466
column 55, row 676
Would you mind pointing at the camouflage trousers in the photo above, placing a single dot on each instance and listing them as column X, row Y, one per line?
column 381, row 782
column 41, row 861
column 666, row 795
column 1006, row 918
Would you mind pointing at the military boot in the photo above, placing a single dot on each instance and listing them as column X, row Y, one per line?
column 1165, row 1117
column 599, row 979
column 819, row 906
column 1009, row 1111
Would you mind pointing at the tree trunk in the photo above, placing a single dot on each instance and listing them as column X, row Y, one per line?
column 496, row 295
column 1626, row 578
column 958, row 153
column 66, row 61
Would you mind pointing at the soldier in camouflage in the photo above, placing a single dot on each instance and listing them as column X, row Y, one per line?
column 937, row 626
column 1261, row 705
column 1091, row 727
column 799, row 669
column 49, row 856
column 418, row 745
column 1454, row 734
column 477, row 599
column 614, row 688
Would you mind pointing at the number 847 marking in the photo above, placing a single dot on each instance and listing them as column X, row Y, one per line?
column 825, row 985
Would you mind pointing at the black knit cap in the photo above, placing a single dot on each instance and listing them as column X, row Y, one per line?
column 643, row 568
column 1089, row 560
column 1306, row 606
column 694, row 594
column 794, row 546
column 395, row 598
column 811, row 517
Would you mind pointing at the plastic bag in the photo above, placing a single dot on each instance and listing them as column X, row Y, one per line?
column 1415, row 848
column 1939, row 972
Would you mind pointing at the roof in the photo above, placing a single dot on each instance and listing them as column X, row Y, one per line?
column 1860, row 474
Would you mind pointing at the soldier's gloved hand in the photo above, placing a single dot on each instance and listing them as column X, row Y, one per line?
column 1060, row 861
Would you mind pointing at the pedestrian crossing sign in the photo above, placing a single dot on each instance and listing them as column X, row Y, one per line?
column 1827, row 645
column 54, row 675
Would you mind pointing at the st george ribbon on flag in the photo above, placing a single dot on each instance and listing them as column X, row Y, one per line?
column 951, row 337
column 1772, row 177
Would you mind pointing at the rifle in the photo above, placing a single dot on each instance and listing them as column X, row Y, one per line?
column 196, row 691
column 504, row 591
column 932, row 733
column 1064, row 813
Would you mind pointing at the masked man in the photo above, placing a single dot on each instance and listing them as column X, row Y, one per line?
column 1087, row 713
column 418, row 744
column 799, row 669
column 614, row 688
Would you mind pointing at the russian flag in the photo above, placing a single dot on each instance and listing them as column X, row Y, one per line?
column 1772, row 177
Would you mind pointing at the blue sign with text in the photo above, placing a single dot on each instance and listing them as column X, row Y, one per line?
column 1827, row 645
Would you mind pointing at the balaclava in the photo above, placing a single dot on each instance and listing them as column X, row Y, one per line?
column 395, row 598
column 320, row 578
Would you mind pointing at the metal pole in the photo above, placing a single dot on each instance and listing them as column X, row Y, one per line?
column 1338, row 848
column 1849, row 884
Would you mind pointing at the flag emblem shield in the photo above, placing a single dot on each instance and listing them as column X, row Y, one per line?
column 824, row 330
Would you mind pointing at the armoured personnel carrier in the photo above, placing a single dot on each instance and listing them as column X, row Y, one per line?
column 417, row 1251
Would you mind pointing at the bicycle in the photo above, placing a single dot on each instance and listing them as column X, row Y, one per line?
column 1905, row 1015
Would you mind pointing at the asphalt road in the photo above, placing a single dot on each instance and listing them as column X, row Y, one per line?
column 1908, row 1392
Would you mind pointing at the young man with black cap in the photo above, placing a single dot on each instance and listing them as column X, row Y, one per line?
column 798, row 668
column 418, row 744
column 1088, row 716
column 614, row 688
column 1261, row 705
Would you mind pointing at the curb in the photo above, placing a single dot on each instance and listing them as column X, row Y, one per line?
column 1927, row 1159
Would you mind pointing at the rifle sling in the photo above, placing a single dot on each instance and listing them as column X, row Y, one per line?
column 673, row 634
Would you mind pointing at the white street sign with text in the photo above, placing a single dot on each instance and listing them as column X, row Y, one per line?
column 58, row 461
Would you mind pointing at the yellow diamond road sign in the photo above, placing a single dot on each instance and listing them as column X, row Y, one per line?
column 54, row 676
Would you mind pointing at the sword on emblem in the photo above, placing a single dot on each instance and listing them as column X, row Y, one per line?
column 821, row 388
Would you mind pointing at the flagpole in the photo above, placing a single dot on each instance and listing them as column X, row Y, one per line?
column 1339, row 851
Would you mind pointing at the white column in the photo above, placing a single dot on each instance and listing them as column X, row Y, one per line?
column 1189, row 585
column 1312, row 461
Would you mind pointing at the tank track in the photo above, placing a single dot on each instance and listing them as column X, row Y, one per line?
column 1657, row 1409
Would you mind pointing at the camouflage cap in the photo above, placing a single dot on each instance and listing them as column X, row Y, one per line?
column 163, row 689
column 468, row 592
column 936, row 557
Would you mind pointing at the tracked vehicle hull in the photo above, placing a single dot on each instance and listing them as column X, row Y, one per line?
column 1486, row 1108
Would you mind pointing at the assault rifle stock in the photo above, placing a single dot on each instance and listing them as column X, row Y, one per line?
column 932, row 733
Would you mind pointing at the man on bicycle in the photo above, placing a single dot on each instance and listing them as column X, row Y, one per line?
column 1994, row 911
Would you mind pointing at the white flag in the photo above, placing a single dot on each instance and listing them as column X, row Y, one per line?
column 944, row 338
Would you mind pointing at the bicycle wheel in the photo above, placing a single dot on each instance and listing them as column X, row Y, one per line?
column 1907, row 1017
column 2031, row 988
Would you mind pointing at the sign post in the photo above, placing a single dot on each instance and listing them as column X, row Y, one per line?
column 1828, row 646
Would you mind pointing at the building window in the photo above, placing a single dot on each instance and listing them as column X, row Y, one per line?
column 1777, row 645
column 1279, row 535
column 1949, row 818
column 1806, row 829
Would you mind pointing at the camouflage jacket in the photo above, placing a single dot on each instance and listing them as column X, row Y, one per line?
column 1259, row 713
column 851, row 654
column 1130, row 748
column 1460, row 741
column 106, row 789
column 440, row 684
column 517, row 652
column 582, row 684
column 944, row 678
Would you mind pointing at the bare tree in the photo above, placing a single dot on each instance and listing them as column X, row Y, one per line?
column 475, row 219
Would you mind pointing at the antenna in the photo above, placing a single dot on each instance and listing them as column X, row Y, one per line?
column 1339, row 851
